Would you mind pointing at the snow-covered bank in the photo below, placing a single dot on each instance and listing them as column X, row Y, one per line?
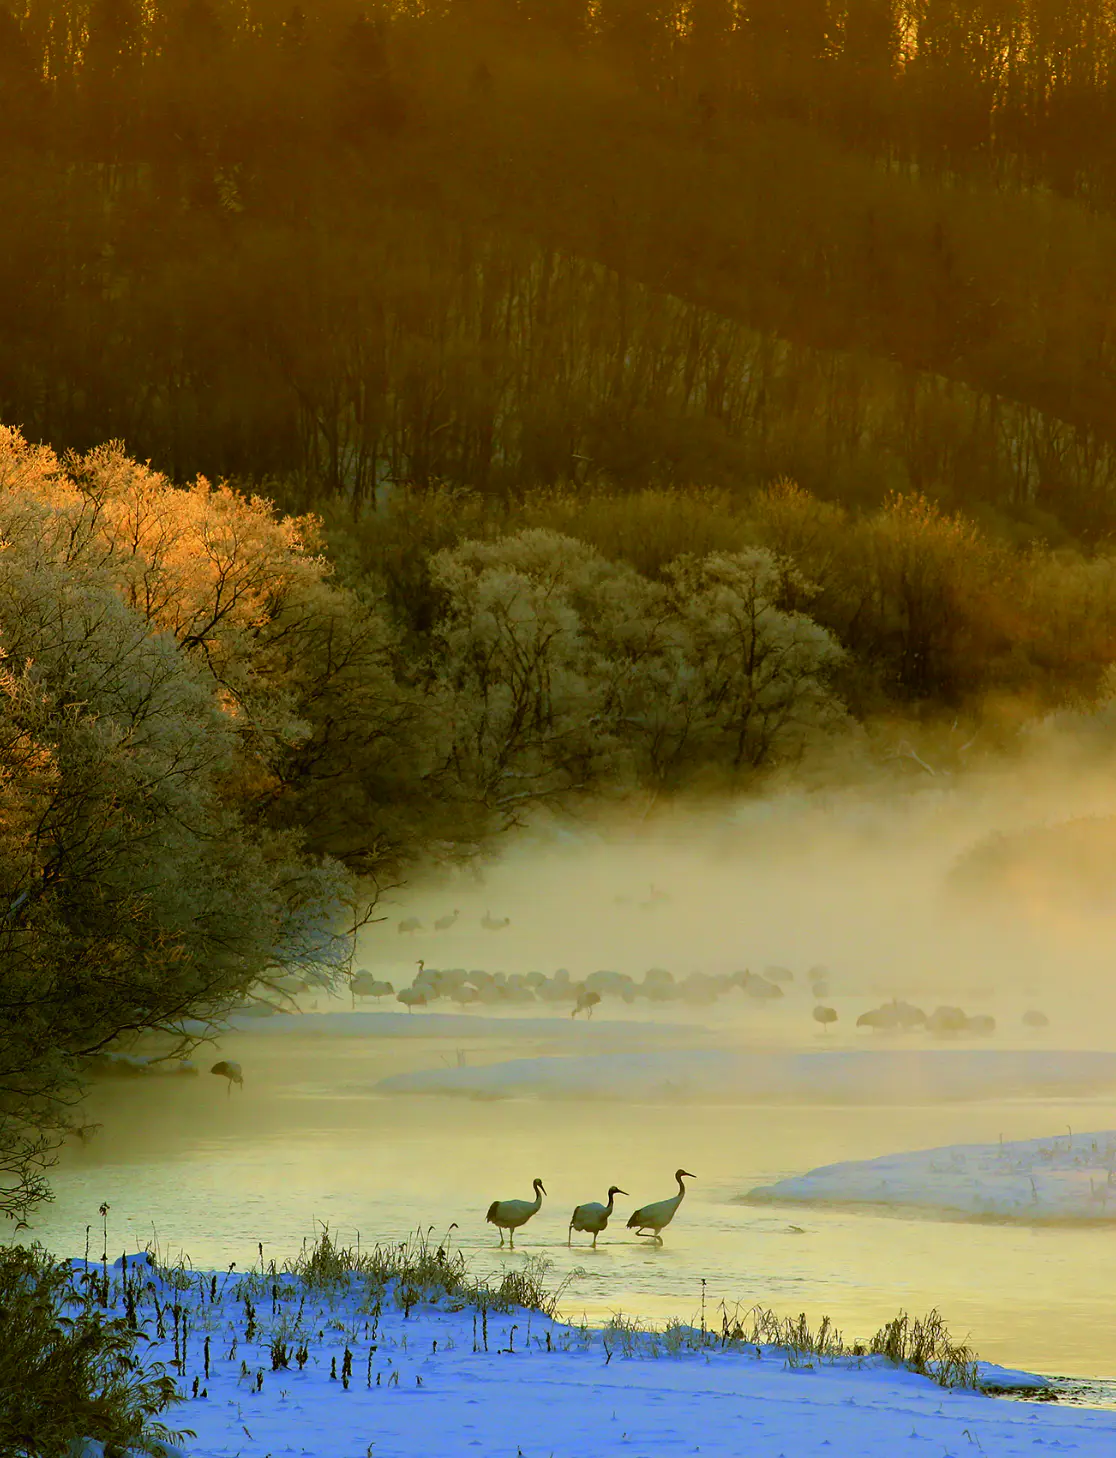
column 270, row 1365
column 1066, row 1177
column 838, row 1075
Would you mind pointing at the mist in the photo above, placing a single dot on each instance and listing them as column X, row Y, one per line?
column 897, row 890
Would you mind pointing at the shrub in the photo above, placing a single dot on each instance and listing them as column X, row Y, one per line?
column 70, row 1372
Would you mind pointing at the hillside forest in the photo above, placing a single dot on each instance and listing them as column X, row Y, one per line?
column 499, row 244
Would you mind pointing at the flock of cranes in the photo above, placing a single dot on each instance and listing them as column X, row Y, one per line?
column 466, row 987
column 592, row 1218
column 658, row 985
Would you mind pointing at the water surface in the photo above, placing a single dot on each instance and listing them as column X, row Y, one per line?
column 308, row 1142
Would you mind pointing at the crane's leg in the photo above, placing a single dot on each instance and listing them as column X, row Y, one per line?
column 569, row 1236
column 595, row 1234
column 511, row 1239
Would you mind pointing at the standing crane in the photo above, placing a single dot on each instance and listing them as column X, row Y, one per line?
column 653, row 1219
column 509, row 1215
column 594, row 1216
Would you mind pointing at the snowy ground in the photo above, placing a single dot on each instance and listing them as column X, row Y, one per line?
column 1068, row 1177
column 433, row 1382
column 842, row 1075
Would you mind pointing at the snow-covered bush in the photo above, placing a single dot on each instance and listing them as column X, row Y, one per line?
column 68, row 1370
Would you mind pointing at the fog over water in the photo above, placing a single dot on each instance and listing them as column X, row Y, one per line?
column 852, row 881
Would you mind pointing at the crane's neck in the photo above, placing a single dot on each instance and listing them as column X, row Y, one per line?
column 608, row 1207
column 681, row 1186
column 538, row 1199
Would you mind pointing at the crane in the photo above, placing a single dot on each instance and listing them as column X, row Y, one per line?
column 824, row 1015
column 594, row 1216
column 653, row 1219
column 586, row 1002
column 509, row 1215
column 230, row 1070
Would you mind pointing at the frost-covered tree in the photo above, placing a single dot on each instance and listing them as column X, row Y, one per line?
column 737, row 683
column 304, row 670
column 140, row 887
column 520, row 686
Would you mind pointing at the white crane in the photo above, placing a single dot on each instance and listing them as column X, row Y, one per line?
column 443, row 923
column 509, row 1215
column 594, row 1216
column 653, row 1219
column 230, row 1070
column 493, row 923
column 410, row 924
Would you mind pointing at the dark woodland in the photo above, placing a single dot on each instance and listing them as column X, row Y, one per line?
column 864, row 245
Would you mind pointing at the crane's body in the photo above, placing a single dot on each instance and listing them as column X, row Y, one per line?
column 653, row 1219
column 593, row 1217
column 509, row 1215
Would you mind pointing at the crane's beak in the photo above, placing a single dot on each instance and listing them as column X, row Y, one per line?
column 542, row 1187
column 688, row 1175
column 620, row 1191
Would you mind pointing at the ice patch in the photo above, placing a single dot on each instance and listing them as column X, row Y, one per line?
column 1068, row 1177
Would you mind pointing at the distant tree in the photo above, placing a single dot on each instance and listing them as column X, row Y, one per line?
column 519, row 685
column 729, row 681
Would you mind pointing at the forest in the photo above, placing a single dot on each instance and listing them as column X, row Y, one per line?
column 335, row 251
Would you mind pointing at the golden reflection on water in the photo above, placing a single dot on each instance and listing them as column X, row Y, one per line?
column 308, row 1142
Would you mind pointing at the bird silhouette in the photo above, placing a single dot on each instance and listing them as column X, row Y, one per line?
column 230, row 1070
column 653, row 1219
column 586, row 1002
column 594, row 1216
column 509, row 1215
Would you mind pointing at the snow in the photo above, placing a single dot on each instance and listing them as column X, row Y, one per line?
column 1066, row 1177
column 841, row 1075
column 445, row 1382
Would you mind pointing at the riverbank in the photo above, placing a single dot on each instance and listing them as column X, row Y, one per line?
column 399, row 1353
